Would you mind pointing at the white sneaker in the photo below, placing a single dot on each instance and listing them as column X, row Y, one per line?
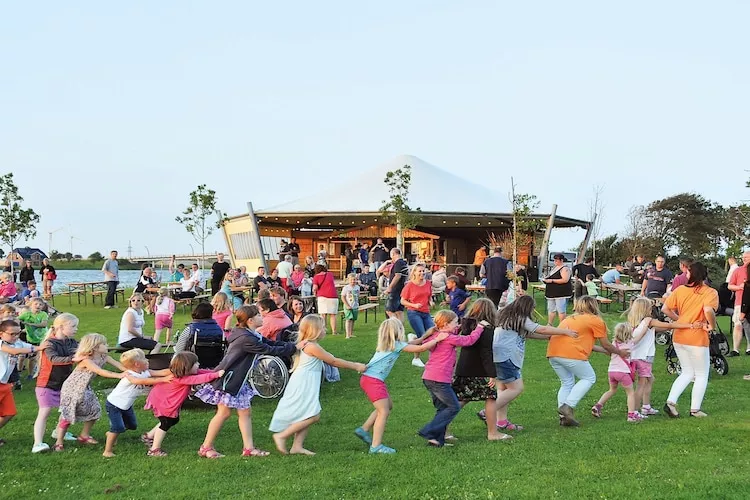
column 107, row 307
column 68, row 435
column 417, row 362
column 38, row 448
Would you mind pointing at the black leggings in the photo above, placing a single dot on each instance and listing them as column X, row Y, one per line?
column 186, row 295
column 166, row 423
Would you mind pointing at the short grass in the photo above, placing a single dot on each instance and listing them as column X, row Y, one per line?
column 606, row 458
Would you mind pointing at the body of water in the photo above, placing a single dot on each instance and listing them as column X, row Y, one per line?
column 128, row 279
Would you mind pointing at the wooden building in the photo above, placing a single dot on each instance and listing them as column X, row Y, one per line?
column 457, row 217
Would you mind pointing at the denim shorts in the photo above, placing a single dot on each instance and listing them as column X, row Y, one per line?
column 507, row 372
column 559, row 305
column 120, row 420
column 394, row 304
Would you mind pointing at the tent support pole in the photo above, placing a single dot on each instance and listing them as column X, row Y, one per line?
column 256, row 230
column 544, row 251
column 586, row 240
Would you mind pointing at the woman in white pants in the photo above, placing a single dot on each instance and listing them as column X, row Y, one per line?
column 694, row 302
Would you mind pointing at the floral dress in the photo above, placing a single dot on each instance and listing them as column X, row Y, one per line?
column 78, row 403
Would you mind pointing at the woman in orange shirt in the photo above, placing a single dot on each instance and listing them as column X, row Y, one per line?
column 569, row 356
column 691, row 303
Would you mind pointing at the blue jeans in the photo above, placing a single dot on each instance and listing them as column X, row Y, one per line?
column 571, row 392
column 446, row 403
column 419, row 321
column 120, row 420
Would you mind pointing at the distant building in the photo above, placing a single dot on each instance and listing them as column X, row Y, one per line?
column 35, row 255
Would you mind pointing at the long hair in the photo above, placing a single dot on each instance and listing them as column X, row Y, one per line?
column 639, row 310
column 244, row 314
column 60, row 320
column 220, row 302
column 414, row 269
column 391, row 330
column 89, row 344
column 698, row 275
column 623, row 333
column 513, row 316
column 163, row 292
column 483, row 310
column 586, row 305
column 311, row 328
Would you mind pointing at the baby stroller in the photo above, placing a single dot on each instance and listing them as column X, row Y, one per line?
column 663, row 337
column 718, row 347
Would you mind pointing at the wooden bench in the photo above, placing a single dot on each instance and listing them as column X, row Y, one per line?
column 185, row 303
column 98, row 293
column 604, row 301
column 364, row 307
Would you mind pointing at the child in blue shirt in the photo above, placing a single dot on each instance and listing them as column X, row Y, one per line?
column 457, row 297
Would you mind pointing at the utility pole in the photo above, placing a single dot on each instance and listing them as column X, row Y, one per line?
column 130, row 251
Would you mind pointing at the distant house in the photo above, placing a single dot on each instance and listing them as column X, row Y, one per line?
column 35, row 255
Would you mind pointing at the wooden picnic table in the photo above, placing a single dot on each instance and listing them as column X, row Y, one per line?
column 537, row 287
column 623, row 290
column 81, row 289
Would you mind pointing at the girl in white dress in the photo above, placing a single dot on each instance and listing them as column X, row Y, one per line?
column 299, row 407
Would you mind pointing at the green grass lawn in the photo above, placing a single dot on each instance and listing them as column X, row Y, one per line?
column 606, row 458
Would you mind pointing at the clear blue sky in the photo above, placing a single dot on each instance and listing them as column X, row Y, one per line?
column 111, row 112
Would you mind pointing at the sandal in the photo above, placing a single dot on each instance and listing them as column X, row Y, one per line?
column 451, row 437
column 254, row 452
column 146, row 440
column 671, row 411
column 58, row 447
column 209, row 452
column 87, row 440
column 509, row 426
column 156, row 453
column 698, row 414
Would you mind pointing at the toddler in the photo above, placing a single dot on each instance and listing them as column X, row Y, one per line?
column 164, row 308
column 621, row 373
column 350, row 299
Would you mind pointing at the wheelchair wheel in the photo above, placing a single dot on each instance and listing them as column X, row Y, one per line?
column 269, row 377
column 720, row 364
column 662, row 338
column 673, row 367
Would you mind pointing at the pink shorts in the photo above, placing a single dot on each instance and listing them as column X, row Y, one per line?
column 643, row 368
column 163, row 321
column 620, row 378
column 47, row 398
column 374, row 388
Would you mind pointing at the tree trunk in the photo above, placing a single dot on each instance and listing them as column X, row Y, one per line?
column 400, row 238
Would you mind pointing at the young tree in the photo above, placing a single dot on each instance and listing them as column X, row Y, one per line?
column 397, row 209
column 596, row 214
column 524, row 227
column 195, row 216
column 15, row 222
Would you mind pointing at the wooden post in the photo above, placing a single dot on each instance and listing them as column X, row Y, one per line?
column 256, row 230
column 544, row 251
column 226, row 237
column 585, row 243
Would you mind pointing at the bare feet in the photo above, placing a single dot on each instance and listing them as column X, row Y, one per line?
column 300, row 451
column 280, row 443
column 108, row 454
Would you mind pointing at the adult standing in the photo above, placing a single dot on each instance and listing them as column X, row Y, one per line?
column 285, row 269
column 294, row 251
column 495, row 269
column 569, row 356
column 737, row 284
column 681, row 279
column 219, row 269
column 732, row 266
column 657, row 279
column 349, row 256
column 310, row 265
column 638, row 270
column 324, row 288
column 558, row 289
column 692, row 303
column 416, row 297
column 364, row 254
column 379, row 254
column 111, row 270
column 131, row 327
column 396, row 281
column 580, row 271
column 479, row 257
column 26, row 274
column 49, row 275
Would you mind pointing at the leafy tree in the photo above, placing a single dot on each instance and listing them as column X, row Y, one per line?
column 195, row 216
column 524, row 226
column 67, row 256
column 396, row 209
column 735, row 228
column 55, row 255
column 15, row 222
column 95, row 257
column 77, row 257
column 609, row 250
column 2, row 253
column 686, row 223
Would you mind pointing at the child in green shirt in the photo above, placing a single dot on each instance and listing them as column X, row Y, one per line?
column 35, row 321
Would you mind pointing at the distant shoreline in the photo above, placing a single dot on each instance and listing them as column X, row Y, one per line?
column 87, row 265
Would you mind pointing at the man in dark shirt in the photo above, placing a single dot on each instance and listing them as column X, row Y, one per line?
column 260, row 281
column 637, row 271
column 218, row 272
column 462, row 280
column 398, row 277
column 657, row 279
column 379, row 254
column 294, row 251
column 368, row 280
column 580, row 271
column 495, row 269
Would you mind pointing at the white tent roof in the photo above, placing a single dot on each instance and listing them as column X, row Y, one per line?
column 432, row 190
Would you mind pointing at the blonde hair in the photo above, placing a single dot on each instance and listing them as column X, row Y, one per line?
column 60, row 320
column 130, row 358
column 89, row 344
column 163, row 292
column 311, row 328
column 36, row 300
column 6, row 276
column 623, row 333
column 639, row 310
column 391, row 331
column 136, row 296
column 586, row 305
column 220, row 302
column 414, row 270
column 351, row 275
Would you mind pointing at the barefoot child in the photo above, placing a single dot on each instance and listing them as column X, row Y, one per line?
column 350, row 299
column 55, row 366
column 299, row 407
column 514, row 326
column 232, row 391
column 372, row 382
column 438, row 373
column 644, row 328
column 78, row 403
column 10, row 349
column 620, row 372
column 166, row 399
column 164, row 308
column 119, row 404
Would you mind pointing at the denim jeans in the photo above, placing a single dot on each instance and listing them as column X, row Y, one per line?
column 571, row 392
column 446, row 403
column 111, row 289
column 419, row 321
column 120, row 420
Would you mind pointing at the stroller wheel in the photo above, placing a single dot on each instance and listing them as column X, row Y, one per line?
column 662, row 338
column 673, row 367
column 720, row 364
